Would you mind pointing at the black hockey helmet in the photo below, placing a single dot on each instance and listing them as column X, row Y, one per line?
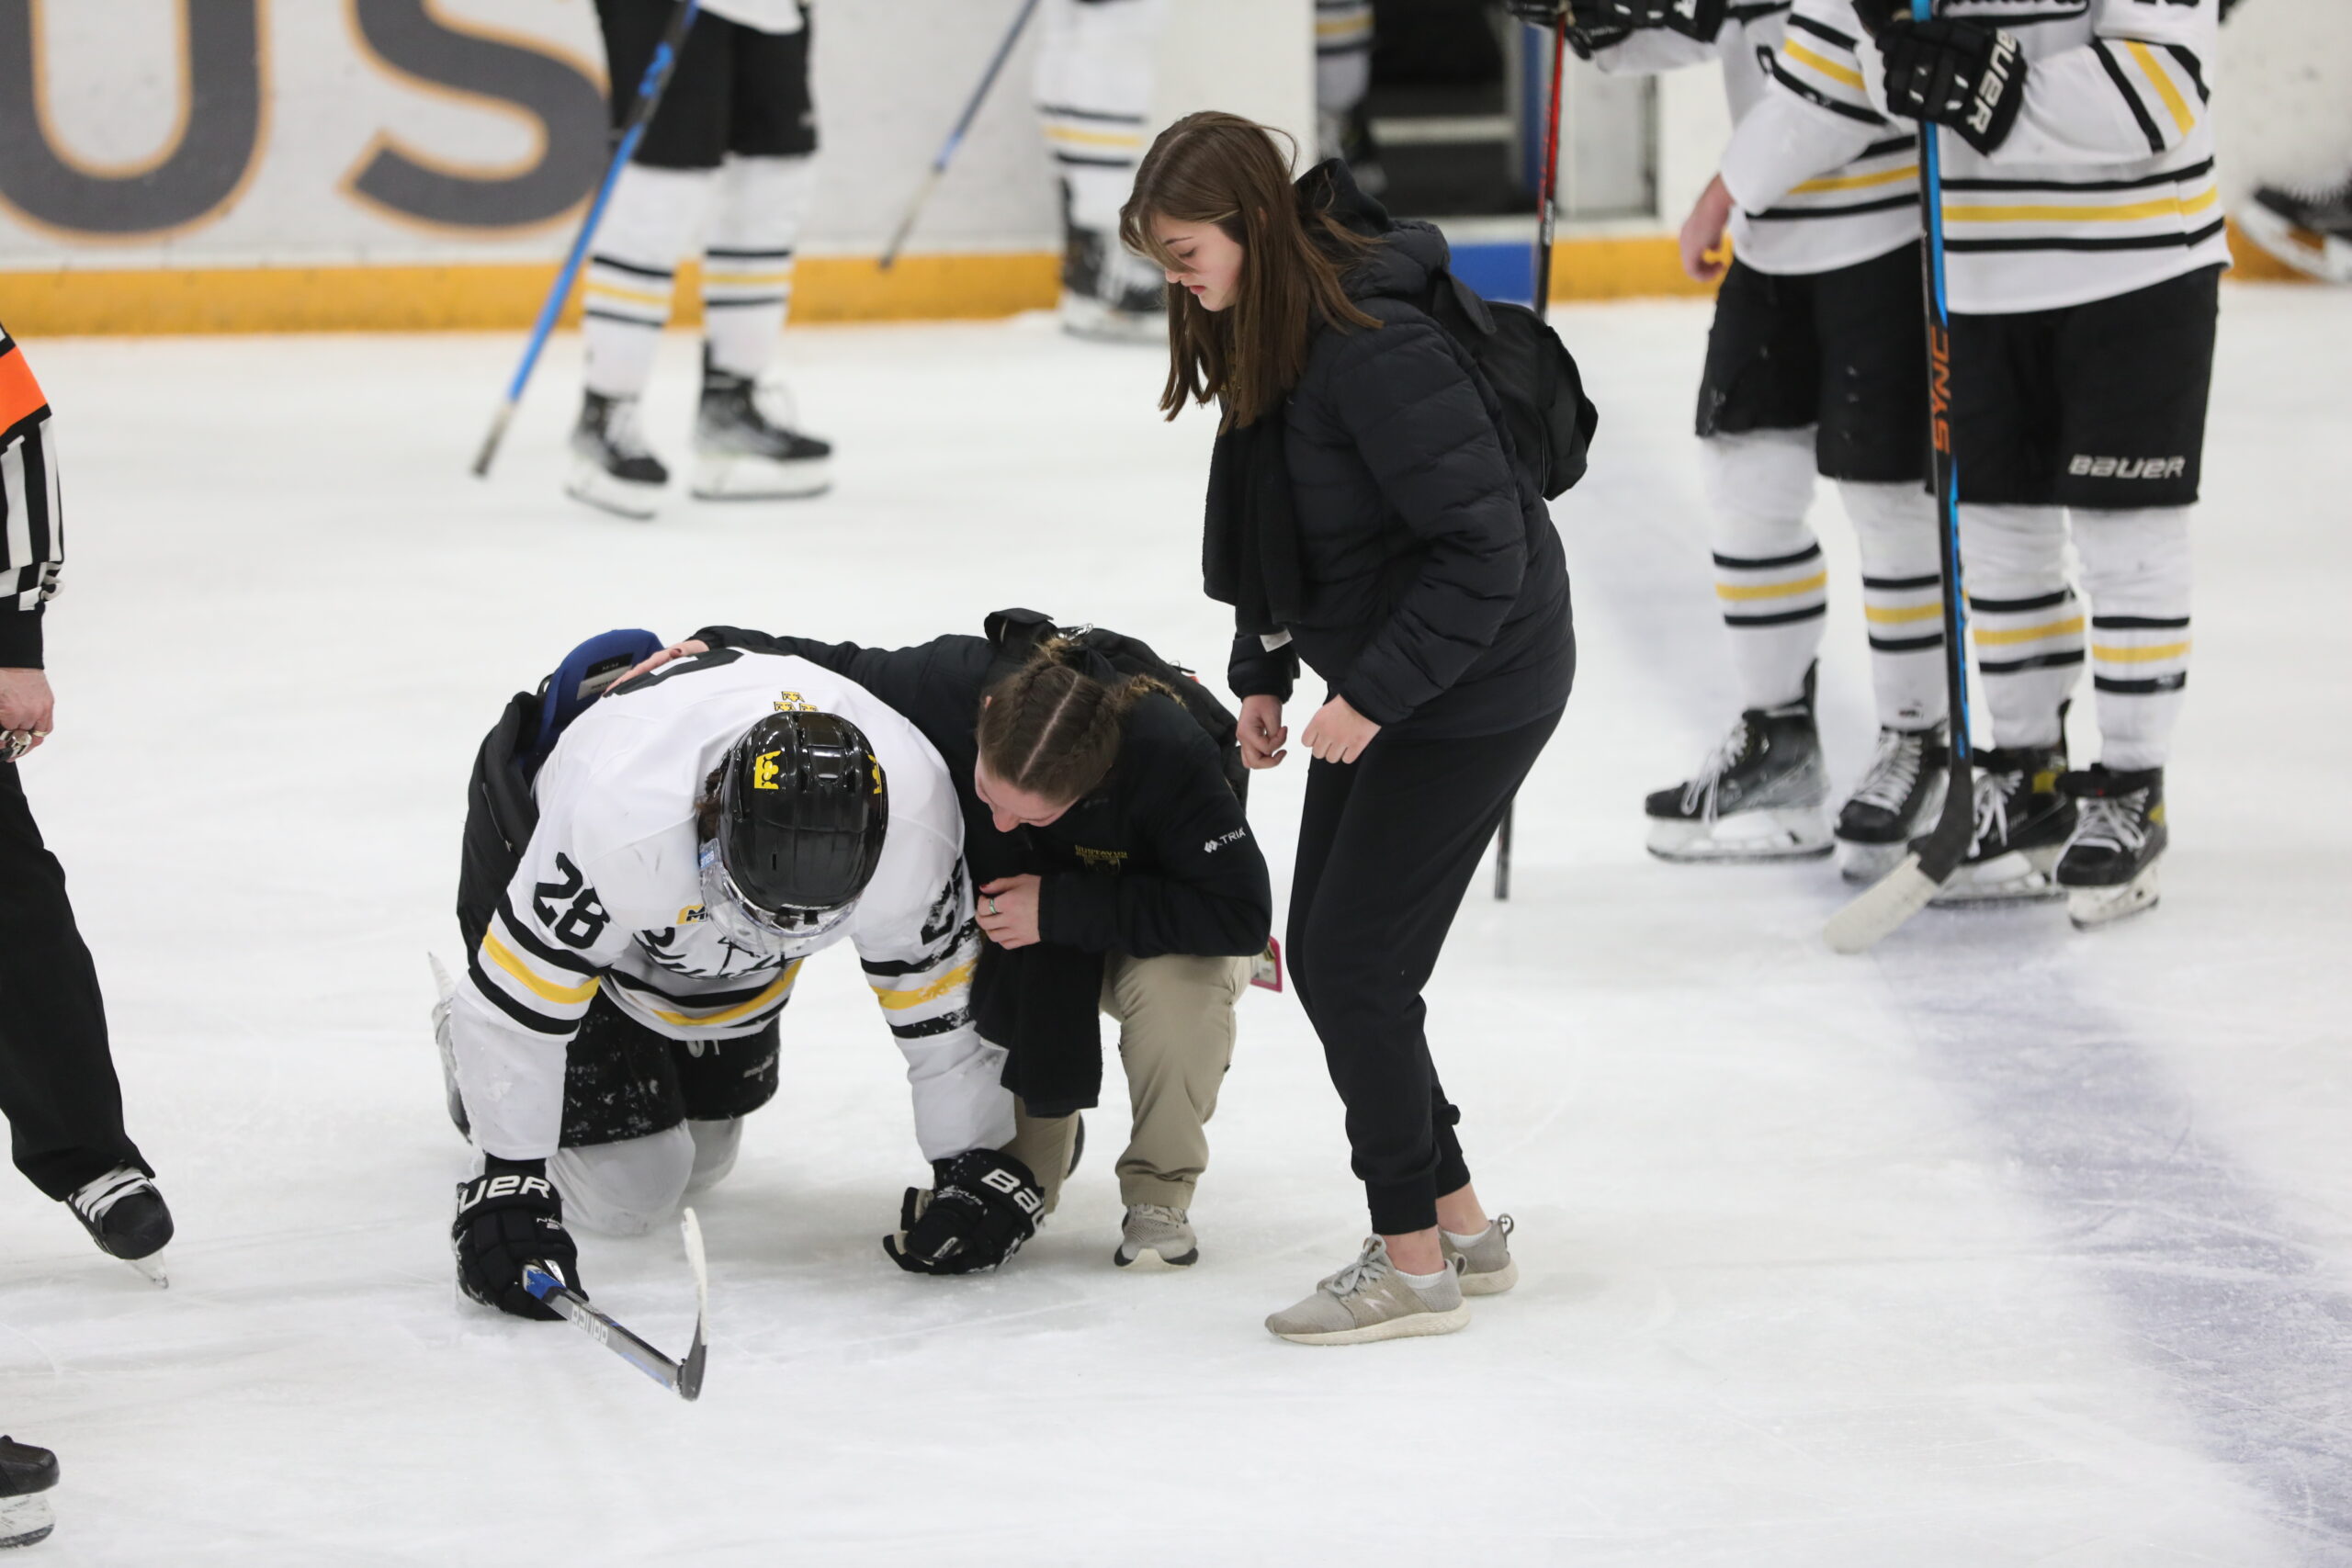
column 803, row 808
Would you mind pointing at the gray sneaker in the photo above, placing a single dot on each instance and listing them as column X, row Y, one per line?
column 1156, row 1237
column 1485, row 1266
column 1367, row 1300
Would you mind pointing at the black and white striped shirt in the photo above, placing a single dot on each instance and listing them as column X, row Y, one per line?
column 32, row 525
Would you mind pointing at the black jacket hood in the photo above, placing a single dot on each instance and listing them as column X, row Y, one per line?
column 1412, row 253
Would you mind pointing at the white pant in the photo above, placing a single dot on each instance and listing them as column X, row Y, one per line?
column 629, row 1187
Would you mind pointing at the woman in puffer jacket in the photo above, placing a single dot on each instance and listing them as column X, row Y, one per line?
column 1368, row 515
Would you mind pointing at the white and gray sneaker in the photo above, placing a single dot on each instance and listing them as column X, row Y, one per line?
column 1155, row 1236
column 1484, row 1266
column 1369, row 1300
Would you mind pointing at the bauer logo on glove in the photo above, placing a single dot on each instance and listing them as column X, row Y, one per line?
column 984, row 1204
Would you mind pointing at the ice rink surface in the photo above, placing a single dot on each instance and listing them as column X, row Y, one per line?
column 2005, row 1245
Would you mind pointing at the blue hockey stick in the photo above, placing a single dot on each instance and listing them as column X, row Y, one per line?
column 640, row 114
column 1904, row 891
column 955, row 137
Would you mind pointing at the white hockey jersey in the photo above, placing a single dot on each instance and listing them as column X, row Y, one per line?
column 1861, row 205
column 609, row 899
column 2105, row 184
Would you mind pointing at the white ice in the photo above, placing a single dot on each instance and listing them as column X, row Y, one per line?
column 2006, row 1244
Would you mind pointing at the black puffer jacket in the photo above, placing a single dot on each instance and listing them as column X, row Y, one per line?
column 1435, row 594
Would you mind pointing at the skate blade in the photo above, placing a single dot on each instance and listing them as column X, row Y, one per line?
column 591, row 486
column 2091, row 908
column 151, row 1268
column 719, row 477
column 24, row 1520
column 1791, row 832
column 2020, row 876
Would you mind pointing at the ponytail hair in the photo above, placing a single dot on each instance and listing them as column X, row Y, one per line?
column 1052, row 730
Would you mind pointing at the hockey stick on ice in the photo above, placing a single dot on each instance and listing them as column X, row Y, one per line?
column 955, row 137
column 1904, row 891
column 684, row 1377
column 641, row 113
column 1546, row 193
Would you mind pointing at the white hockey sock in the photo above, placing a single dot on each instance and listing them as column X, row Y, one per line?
column 1342, row 58
column 2136, row 575
column 1902, row 599
column 648, row 225
column 2024, row 621
column 1769, row 578
column 1093, row 84
column 747, row 258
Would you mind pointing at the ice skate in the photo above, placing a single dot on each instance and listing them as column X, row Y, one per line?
column 612, row 469
column 27, row 1474
column 1108, row 295
column 2022, row 826
column 1156, row 1237
column 1758, row 796
column 1898, row 799
column 2311, row 236
column 741, row 455
column 1484, row 1266
column 1367, row 1300
column 2108, row 871
column 127, row 1217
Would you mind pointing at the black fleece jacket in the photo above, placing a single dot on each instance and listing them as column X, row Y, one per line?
column 1435, row 592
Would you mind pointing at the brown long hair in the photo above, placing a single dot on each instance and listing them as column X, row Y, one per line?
column 1219, row 168
column 1053, row 729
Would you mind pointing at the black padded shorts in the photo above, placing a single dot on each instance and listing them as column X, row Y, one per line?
column 622, row 1081
column 735, row 90
column 1845, row 351
column 2100, row 406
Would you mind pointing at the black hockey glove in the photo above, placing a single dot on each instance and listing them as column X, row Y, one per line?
column 983, row 1205
column 507, row 1217
column 1962, row 74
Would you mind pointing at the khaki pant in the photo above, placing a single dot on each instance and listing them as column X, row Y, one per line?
column 1175, row 1017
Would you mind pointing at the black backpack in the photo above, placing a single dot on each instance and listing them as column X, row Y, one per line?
column 1535, row 377
column 1015, row 633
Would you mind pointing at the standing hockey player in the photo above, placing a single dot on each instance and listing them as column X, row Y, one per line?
column 1117, row 873
column 1815, row 364
column 2085, row 248
column 57, row 1080
column 730, row 151
column 636, row 913
column 1366, row 513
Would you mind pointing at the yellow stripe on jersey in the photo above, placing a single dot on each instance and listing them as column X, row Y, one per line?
column 2128, row 213
column 1857, row 182
column 2175, row 105
column 1827, row 67
column 1772, row 590
column 714, row 278
column 2139, row 655
column 1094, row 138
column 1879, row 617
column 1344, row 26
column 563, row 996
column 2029, row 634
column 772, row 994
column 634, row 296
column 898, row 1001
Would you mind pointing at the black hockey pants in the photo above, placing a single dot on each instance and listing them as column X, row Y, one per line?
column 1387, row 845
column 57, row 1082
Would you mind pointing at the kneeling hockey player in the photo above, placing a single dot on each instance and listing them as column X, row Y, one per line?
column 637, row 912
column 2085, row 248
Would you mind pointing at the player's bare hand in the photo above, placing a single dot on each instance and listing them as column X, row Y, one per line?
column 28, row 712
column 1705, row 256
column 1338, row 733
column 1008, row 912
column 685, row 650
column 1261, row 732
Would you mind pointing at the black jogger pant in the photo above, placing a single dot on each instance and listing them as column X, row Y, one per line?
column 57, row 1082
column 1387, row 845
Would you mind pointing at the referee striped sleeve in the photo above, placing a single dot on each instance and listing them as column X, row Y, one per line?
column 32, row 532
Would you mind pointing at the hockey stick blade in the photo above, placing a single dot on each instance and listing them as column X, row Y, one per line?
column 684, row 1378
column 1884, row 905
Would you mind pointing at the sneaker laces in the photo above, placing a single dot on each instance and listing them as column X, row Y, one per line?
column 1699, row 793
column 92, row 1200
column 2113, row 822
column 1370, row 1268
column 1894, row 772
